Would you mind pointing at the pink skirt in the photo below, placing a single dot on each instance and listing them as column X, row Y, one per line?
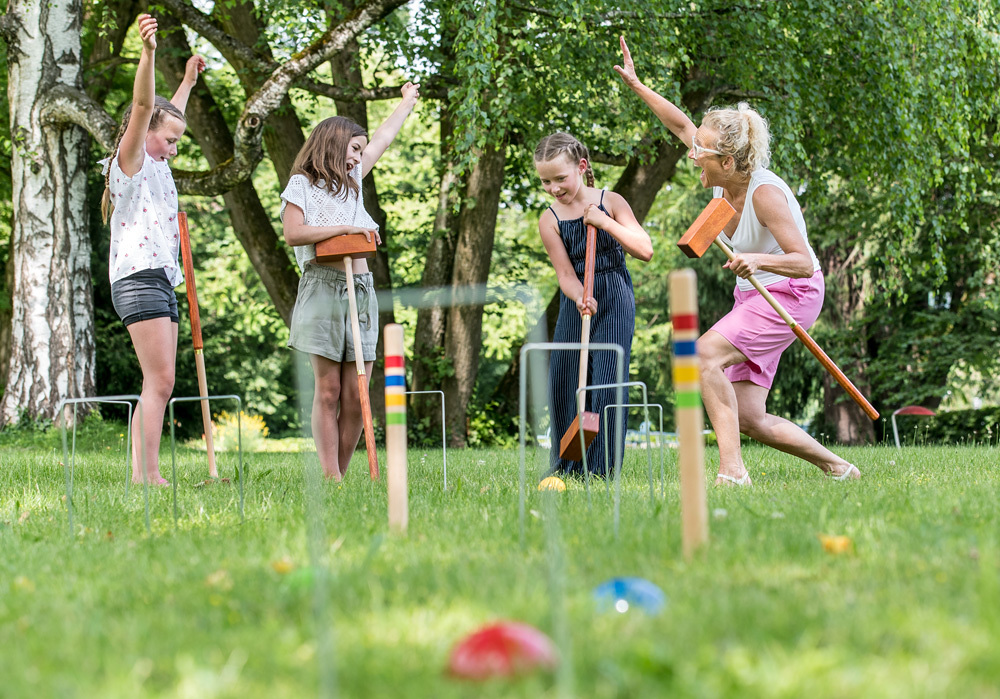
column 756, row 330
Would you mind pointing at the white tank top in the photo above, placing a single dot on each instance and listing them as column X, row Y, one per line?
column 752, row 237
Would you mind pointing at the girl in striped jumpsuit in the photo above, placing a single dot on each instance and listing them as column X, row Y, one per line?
column 563, row 165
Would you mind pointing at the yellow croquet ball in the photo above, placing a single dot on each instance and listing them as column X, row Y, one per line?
column 552, row 483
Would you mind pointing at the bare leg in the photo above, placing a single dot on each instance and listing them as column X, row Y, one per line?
column 715, row 353
column 326, row 431
column 155, row 344
column 779, row 433
column 351, row 420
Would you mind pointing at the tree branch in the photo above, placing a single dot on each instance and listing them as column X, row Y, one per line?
column 66, row 105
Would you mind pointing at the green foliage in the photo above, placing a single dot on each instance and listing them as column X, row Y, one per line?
column 959, row 427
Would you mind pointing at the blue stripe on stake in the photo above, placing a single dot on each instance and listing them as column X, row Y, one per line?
column 684, row 347
column 391, row 380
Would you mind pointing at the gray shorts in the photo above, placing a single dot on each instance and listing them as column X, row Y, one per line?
column 321, row 321
column 144, row 295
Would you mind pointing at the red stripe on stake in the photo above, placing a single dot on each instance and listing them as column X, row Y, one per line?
column 685, row 322
column 393, row 362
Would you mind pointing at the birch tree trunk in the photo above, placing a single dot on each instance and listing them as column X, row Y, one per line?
column 52, row 314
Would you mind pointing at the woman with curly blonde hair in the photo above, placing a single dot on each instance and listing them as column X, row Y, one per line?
column 739, row 355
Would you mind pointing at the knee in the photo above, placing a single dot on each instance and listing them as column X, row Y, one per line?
column 328, row 394
column 751, row 425
column 709, row 358
column 159, row 384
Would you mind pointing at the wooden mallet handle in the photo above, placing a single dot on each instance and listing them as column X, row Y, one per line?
column 359, row 361
column 199, row 356
column 800, row 333
column 589, row 262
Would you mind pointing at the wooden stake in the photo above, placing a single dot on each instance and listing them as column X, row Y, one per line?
column 395, row 428
column 199, row 355
column 359, row 360
column 688, row 411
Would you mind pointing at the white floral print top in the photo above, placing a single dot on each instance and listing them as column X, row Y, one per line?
column 320, row 208
column 144, row 232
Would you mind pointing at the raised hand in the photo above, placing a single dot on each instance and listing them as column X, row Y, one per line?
column 147, row 32
column 411, row 91
column 627, row 69
column 195, row 66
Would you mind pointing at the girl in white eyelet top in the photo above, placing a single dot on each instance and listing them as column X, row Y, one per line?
column 322, row 200
column 141, row 199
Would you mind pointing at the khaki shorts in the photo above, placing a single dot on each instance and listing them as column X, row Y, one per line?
column 321, row 321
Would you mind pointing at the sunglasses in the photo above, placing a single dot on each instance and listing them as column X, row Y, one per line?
column 697, row 151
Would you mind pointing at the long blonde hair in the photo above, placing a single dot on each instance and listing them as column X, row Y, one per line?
column 743, row 134
column 323, row 155
column 162, row 108
column 561, row 143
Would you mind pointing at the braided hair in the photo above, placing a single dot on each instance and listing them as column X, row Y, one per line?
column 560, row 143
column 162, row 108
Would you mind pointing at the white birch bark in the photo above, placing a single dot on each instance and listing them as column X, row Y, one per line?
column 52, row 326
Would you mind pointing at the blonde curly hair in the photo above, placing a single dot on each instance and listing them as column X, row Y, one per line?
column 743, row 134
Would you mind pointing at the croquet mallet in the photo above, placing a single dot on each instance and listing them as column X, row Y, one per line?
column 569, row 445
column 704, row 232
column 199, row 354
column 347, row 247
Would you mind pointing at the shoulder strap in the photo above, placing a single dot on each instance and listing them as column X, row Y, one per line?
column 558, row 220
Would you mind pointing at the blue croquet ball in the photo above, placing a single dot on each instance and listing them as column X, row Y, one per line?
column 625, row 594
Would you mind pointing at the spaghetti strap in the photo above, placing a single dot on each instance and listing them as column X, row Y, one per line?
column 558, row 220
column 602, row 197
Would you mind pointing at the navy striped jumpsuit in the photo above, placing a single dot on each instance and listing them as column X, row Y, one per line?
column 613, row 322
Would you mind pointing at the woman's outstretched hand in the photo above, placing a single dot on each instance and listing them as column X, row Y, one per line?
column 627, row 69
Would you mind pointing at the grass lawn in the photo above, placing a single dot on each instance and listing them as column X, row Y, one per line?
column 216, row 607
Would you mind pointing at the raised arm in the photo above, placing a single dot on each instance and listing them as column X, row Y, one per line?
column 385, row 134
column 132, row 147
column 195, row 65
column 673, row 118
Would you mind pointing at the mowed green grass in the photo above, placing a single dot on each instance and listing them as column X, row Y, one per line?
column 218, row 607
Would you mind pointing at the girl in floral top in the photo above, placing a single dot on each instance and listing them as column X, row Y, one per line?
column 141, row 200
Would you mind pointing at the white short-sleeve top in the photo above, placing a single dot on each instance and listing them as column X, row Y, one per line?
column 321, row 208
column 144, row 233
column 751, row 236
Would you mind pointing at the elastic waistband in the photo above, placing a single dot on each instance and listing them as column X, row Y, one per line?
column 332, row 274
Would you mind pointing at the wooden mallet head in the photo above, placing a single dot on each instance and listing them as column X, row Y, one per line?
column 338, row 247
column 706, row 228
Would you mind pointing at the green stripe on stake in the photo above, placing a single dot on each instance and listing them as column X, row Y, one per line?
column 395, row 418
column 688, row 399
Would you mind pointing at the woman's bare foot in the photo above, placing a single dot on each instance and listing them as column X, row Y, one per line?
column 849, row 472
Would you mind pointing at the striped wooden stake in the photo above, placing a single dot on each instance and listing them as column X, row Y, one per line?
column 688, row 411
column 395, row 427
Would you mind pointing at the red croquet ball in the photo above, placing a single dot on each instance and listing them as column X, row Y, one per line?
column 501, row 650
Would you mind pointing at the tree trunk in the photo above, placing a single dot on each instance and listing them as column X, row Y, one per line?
column 844, row 304
column 283, row 133
column 52, row 314
column 473, row 252
column 428, row 341
column 251, row 221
